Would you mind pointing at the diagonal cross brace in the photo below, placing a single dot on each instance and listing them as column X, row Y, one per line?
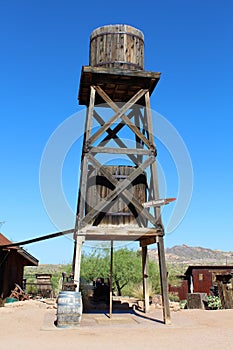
column 119, row 114
column 112, row 134
column 121, row 186
column 126, row 194
column 127, row 121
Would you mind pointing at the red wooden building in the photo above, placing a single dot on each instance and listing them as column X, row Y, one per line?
column 12, row 262
column 200, row 279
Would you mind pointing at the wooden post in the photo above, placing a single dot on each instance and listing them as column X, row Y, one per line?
column 145, row 279
column 77, row 261
column 110, row 280
column 163, row 279
column 82, row 193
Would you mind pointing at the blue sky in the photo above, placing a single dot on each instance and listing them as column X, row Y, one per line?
column 43, row 46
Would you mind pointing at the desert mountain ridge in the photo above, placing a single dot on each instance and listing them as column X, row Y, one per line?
column 194, row 255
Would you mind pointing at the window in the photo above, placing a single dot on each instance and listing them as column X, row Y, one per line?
column 200, row 276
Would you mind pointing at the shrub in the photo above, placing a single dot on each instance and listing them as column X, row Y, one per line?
column 214, row 303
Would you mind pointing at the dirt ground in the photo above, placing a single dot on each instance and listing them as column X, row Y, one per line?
column 30, row 325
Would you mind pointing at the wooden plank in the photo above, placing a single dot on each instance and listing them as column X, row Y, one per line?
column 116, row 72
column 108, row 236
column 126, row 83
column 144, row 241
column 139, row 143
column 120, row 150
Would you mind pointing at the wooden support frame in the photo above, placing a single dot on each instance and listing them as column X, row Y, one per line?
column 143, row 156
column 120, row 187
column 119, row 112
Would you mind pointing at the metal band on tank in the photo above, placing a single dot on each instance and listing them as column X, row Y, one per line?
column 119, row 33
column 118, row 62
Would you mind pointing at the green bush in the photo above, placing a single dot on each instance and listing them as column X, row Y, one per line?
column 214, row 303
column 183, row 304
column 173, row 297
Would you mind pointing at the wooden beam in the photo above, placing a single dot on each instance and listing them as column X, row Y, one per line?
column 144, row 241
column 121, row 150
column 38, row 239
column 83, row 187
column 163, row 280
column 145, row 280
column 77, row 260
column 84, row 162
column 110, row 280
column 121, row 72
column 154, row 189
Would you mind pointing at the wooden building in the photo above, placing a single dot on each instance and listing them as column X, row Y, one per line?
column 12, row 262
column 181, row 288
column 200, row 279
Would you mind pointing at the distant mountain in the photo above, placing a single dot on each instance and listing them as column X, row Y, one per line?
column 194, row 255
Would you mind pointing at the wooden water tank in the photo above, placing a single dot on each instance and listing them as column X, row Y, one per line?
column 117, row 46
column 98, row 187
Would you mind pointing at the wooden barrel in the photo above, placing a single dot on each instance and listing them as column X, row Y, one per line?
column 117, row 46
column 120, row 212
column 69, row 309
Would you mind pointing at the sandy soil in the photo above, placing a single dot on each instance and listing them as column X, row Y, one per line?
column 30, row 325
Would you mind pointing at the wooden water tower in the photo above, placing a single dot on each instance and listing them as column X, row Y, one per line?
column 111, row 194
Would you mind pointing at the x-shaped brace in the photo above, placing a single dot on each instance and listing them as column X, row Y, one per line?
column 120, row 188
column 120, row 113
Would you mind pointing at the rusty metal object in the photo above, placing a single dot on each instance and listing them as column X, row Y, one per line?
column 18, row 293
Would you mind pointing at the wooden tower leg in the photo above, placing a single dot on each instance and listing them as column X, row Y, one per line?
column 163, row 279
column 79, row 240
column 110, row 280
column 145, row 279
column 77, row 261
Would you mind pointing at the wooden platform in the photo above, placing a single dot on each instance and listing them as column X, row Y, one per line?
column 120, row 85
column 118, row 233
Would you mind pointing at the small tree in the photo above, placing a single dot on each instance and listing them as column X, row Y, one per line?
column 127, row 269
